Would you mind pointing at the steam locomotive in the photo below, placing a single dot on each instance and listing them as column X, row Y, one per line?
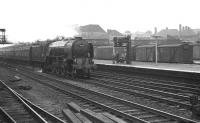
column 73, row 57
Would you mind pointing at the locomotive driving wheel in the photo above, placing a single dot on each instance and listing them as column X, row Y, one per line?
column 53, row 70
column 62, row 71
column 73, row 73
column 44, row 69
column 56, row 70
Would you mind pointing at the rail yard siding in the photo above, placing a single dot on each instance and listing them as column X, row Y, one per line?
column 173, row 53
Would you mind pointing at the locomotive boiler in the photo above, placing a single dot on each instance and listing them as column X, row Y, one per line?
column 73, row 57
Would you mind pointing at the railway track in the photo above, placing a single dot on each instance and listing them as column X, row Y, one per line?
column 154, row 95
column 121, row 84
column 131, row 88
column 121, row 107
column 14, row 108
column 168, row 85
column 175, row 88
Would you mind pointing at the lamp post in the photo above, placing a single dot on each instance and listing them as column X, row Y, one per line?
column 156, row 47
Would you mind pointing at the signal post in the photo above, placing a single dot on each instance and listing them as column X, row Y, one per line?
column 123, row 42
column 2, row 36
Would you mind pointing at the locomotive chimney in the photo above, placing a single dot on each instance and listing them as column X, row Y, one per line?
column 78, row 38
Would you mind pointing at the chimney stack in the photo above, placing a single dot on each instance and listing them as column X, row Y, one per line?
column 180, row 27
column 155, row 30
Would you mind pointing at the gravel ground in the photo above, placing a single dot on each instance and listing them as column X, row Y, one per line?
column 160, row 106
column 55, row 102
column 45, row 97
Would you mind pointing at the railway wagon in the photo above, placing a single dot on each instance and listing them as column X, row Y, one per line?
column 5, row 52
column 38, row 53
column 196, row 51
column 171, row 53
column 106, row 52
column 175, row 53
column 22, row 53
column 16, row 52
column 145, row 53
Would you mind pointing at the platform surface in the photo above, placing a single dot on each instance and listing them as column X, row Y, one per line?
column 195, row 68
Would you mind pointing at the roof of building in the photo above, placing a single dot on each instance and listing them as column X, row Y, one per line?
column 196, row 30
column 187, row 32
column 170, row 32
column 92, row 31
column 113, row 32
column 91, row 28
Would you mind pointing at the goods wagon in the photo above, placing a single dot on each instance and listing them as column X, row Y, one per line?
column 171, row 53
column 145, row 53
column 175, row 53
column 133, row 53
column 196, row 52
column 106, row 52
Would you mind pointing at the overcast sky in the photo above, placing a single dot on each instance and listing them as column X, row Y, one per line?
column 29, row 20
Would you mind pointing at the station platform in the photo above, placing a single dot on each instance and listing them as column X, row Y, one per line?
column 192, row 68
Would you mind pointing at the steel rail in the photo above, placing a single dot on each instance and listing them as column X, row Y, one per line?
column 32, row 111
column 6, row 116
column 158, row 112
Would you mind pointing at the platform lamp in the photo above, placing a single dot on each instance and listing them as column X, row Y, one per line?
column 156, row 46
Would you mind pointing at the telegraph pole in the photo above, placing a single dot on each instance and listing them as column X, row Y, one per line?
column 156, row 47
column 128, row 54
